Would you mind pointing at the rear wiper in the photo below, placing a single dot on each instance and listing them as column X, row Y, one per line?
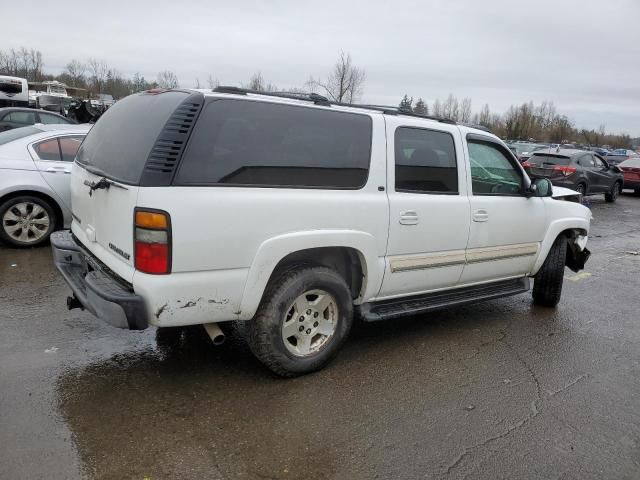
column 102, row 184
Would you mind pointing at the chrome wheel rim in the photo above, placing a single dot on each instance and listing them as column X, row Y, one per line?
column 26, row 222
column 309, row 323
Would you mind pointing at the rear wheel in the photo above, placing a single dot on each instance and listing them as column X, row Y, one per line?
column 27, row 221
column 304, row 318
column 547, row 284
column 613, row 194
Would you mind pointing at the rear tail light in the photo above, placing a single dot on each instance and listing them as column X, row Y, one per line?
column 566, row 171
column 152, row 241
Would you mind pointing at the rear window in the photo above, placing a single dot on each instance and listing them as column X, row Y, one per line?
column 549, row 160
column 17, row 133
column 119, row 143
column 247, row 143
column 632, row 162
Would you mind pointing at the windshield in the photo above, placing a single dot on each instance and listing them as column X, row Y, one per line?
column 10, row 86
column 17, row 133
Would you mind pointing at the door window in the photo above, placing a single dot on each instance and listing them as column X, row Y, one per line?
column 587, row 161
column 425, row 161
column 47, row 119
column 26, row 118
column 598, row 163
column 492, row 170
column 69, row 147
column 48, row 150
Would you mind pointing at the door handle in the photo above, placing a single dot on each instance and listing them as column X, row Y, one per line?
column 410, row 217
column 480, row 216
column 57, row 170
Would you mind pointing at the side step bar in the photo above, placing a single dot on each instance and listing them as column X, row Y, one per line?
column 400, row 307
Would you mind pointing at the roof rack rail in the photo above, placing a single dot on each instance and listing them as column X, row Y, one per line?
column 312, row 97
column 322, row 100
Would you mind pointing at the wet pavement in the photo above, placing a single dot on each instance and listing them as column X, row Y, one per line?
column 496, row 390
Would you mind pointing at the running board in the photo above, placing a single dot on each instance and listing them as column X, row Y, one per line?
column 400, row 307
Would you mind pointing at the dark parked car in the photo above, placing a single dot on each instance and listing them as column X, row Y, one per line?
column 585, row 172
column 618, row 156
column 15, row 117
column 631, row 171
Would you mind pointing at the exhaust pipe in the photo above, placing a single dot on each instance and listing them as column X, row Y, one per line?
column 215, row 333
column 73, row 302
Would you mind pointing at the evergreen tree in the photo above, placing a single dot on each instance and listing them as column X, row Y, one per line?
column 421, row 107
column 406, row 104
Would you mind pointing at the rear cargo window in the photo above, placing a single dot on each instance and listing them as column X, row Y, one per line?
column 248, row 143
column 119, row 143
column 549, row 160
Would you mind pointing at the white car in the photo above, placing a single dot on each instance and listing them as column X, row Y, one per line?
column 290, row 214
column 35, row 167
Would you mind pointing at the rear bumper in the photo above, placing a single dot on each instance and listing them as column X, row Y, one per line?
column 631, row 184
column 95, row 287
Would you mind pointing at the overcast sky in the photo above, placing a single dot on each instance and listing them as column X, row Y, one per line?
column 584, row 55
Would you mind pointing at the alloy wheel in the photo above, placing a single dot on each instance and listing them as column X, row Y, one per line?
column 26, row 222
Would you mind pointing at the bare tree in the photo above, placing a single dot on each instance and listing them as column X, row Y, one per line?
column 213, row 82
column 22, row 63
column 167, row 79
column 76, row 71
column 485, row 116
column 345, row 82
column 98, row 71
column 465, row 110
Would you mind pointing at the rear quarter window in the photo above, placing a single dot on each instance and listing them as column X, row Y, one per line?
column 119, row 143
column 248, row 143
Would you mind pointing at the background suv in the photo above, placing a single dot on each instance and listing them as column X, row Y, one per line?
column 585, row 172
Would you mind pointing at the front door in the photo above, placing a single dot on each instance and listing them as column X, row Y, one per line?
column 429, row 207
column 507, row 227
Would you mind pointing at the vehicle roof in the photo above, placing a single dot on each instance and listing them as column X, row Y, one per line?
column 27, row 109
column 53, row 127
column 355, row 108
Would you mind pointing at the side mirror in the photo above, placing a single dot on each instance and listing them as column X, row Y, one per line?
column 541, row 187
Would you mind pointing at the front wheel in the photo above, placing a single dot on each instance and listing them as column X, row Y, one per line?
column 547, row 284
column 613, row 194
column 303, row 320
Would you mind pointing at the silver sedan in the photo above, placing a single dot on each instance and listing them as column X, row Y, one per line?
column 35, row 163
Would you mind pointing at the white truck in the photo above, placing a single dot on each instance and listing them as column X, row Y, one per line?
column 291, row 215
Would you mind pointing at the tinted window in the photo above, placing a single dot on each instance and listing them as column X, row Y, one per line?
column 492, row 173
column 239, row 142
column 17, row 133
column 27, row 118
column 119, row 143
column 586, row 161
column 69, row 147
column 47, row 118
column 597, row 162
column 48, row 150
column 549, row 160
column 425, row 161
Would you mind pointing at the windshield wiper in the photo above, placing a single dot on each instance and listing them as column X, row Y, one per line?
column 102, row 184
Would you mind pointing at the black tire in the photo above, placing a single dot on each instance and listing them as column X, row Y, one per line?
column 5, row 225
column 547, row 285
column 581, row 188
column 265, row 330
column 613, row 194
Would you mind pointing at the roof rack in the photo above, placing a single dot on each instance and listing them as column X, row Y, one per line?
column 322, row 100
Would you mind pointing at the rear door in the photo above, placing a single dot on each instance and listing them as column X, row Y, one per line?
column 54, row 158
column 429, row 207
column 603, row 175
column 109, row 170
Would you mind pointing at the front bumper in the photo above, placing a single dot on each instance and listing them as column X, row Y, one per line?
column 95, row 287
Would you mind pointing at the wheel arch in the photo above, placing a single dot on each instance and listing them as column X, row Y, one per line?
column 353, row 254
column 570, row 228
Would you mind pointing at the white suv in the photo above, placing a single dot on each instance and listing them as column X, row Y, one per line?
column 290, row 215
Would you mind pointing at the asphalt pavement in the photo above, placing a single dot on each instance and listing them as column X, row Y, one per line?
column 496, row 390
